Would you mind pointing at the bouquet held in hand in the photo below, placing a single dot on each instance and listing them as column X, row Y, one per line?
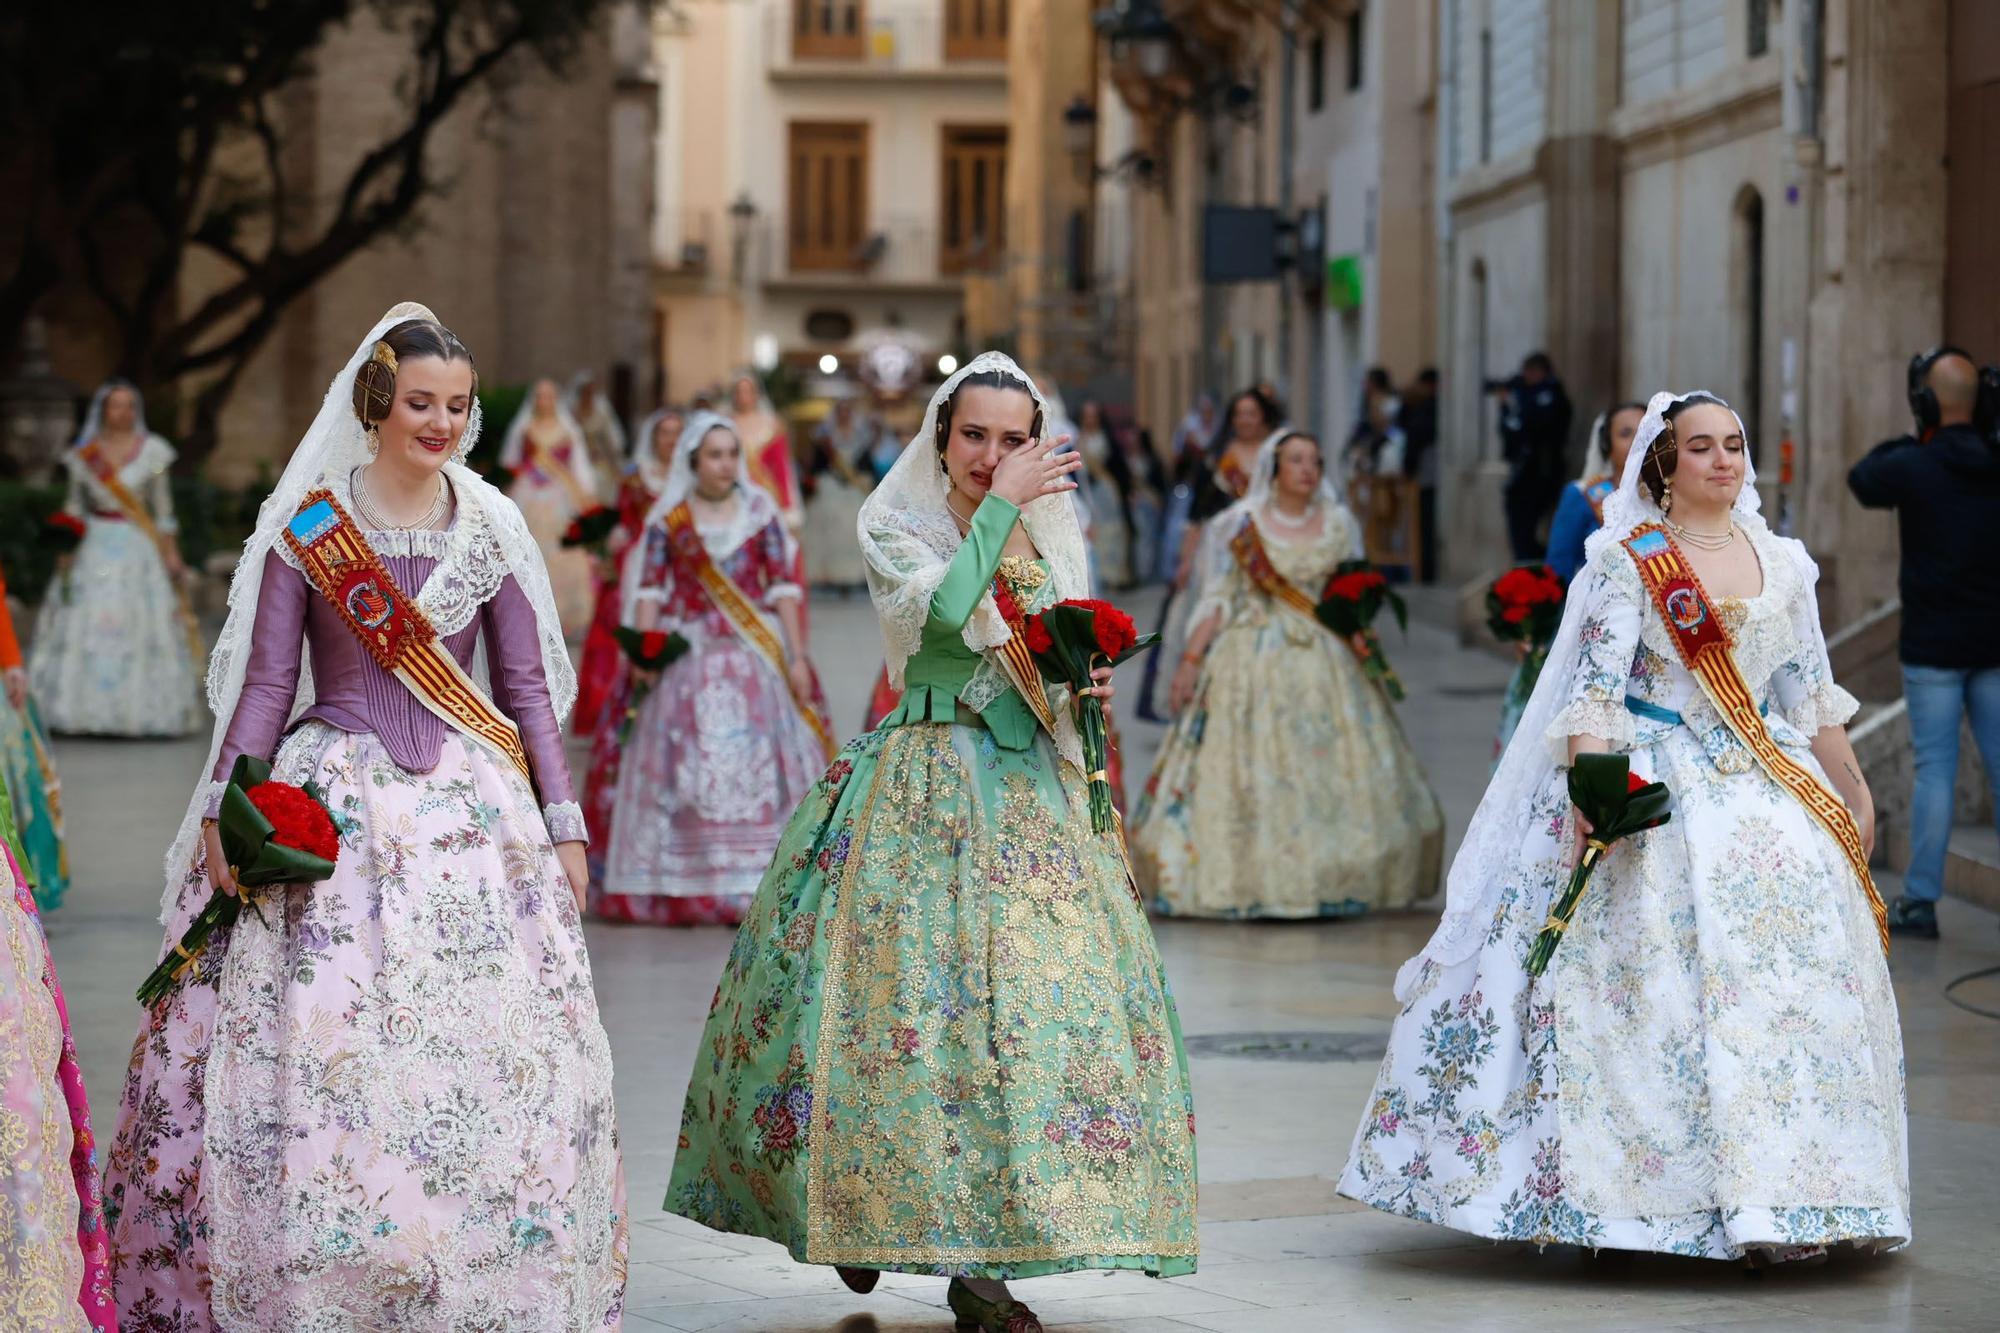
column 1617, row 802
column 1348, row 605
column 646, row 650
column 272, row 833
column 591, row 530
column 1068, row 641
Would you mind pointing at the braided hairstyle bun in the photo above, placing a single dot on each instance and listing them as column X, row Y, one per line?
column 375, row 380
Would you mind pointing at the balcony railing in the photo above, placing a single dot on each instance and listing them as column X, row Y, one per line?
column 859, row 38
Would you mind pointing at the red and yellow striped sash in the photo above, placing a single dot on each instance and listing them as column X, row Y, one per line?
column 686, row 546
column 338, row 561
column 1019, row 662
column 1704, row 649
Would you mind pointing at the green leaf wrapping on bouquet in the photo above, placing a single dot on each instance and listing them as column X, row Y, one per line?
column 1617, row 804
column 651, row 649
column 1064, row 642
column 256, row 860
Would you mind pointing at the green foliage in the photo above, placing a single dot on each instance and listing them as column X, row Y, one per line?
column 23, row 509
column 497, row 405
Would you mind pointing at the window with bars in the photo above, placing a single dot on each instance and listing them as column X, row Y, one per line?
column 972, row 219
column 827, row 29
column 826, row 218
column 975, row 30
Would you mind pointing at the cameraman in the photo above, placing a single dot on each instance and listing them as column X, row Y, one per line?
column 1944, row 484
column 1534, row 434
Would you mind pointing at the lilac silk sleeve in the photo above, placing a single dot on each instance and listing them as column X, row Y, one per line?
column 521, row 690
column 270, row 677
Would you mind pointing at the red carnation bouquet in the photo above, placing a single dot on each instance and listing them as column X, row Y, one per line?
column 591, row 530
column 62, row 532
column 1068, row 641
column 648, row 650
column 1617, row 802
column 1352, row 599
column 1525, row 605
column 272, row 833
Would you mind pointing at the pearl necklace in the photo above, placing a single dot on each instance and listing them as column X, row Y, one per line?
column 1705, row 541
column 373, row 517
column 1284, row 520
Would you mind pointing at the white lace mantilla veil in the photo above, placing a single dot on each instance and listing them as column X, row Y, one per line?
column 1213, row 556
column 1487, row 858
column 641, row 457
column 908, row 538
column 487, row 541
column 1596, row 458
column 514, row 443
column 93, row 419
column 754, row 507
column 600, row 403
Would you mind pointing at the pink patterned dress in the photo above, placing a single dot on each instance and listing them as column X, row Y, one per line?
column 387, row 1103
column 719, row 754
column 55, row 1273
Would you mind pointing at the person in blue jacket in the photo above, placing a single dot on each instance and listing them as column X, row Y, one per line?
column 1581, row 510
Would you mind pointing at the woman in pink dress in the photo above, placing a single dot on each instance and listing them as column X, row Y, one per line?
column 54, row 1270
column 554, row 481
column 730, row 736
column 383, row 1100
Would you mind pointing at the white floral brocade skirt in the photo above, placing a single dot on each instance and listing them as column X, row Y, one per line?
column 1711, row 1063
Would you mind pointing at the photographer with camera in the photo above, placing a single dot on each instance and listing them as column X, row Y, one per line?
column 1534, row 432
column 1944, row 484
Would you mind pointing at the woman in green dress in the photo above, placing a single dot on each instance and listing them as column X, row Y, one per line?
column 943, row 1042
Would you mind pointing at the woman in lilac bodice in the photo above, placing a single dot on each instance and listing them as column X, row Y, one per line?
column 384, row 1099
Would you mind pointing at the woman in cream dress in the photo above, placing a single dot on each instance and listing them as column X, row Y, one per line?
column 1285, row 787
column 554, row 481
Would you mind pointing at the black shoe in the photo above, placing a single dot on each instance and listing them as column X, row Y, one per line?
column 1913, row 917
column 860, row 1281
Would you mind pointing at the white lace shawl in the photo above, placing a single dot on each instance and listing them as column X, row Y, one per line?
column 487, row 541
column 1486, row 860
column 908, row 538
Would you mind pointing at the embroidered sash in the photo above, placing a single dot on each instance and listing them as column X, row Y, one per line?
column 749, row 623
column 338, row 561
column 1018, row 661
column 1233, row 476
column 544, row 457
column 1704, row 649
column 1597, row 492
column 140, row 517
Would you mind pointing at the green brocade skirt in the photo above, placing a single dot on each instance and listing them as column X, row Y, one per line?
column 943, row 1042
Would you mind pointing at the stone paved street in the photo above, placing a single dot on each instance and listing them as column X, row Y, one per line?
column 1279, row 1251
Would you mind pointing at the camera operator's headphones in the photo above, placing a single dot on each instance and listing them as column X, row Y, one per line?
column 1923, row 399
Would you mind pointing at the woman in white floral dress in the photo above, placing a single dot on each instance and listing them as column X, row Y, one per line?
column 114, row 653
column 384, row 1100
column 1711, row 1064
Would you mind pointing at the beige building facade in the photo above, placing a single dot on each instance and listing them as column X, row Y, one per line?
column 534, row 250
column 827, row 173
column 1748, row 196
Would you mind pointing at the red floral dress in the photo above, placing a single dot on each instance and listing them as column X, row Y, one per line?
column 603, row 667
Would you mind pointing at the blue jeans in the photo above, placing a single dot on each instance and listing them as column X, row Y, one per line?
column 1937, row 698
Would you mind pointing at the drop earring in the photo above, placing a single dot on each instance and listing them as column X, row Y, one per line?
column 374, row 440
column 1667, row 498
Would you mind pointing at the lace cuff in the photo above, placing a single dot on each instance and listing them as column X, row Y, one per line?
column 565, row 821
column 1602, row 718
column 211, row 803
column 1827, row 706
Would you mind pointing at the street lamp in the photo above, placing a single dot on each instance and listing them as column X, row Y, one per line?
column 1140, row 33
column 828, row 363
column 742, row 212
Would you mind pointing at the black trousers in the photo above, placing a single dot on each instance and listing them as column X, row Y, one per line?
column 1528, row 498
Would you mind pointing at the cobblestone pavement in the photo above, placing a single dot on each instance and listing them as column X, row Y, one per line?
column 1282, row 1019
